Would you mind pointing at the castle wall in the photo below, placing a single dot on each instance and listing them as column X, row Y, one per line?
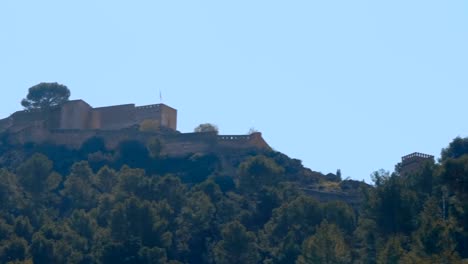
column 75, row 115
column 152, row 112
column 53, row 119
column 114, row 117
column 27, row 118
column 182, row 144
column 168, row 117
column 165, row 116
column 174, row 145
column 70, row 138
column 242, row 141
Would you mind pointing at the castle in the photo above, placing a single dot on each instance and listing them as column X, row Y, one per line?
column 78, row 114
column 74, row 122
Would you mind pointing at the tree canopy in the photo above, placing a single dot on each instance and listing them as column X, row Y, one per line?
column 207, row 127
column 45, row 95
column 131, row 205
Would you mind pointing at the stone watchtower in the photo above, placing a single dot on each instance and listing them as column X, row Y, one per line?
column 414, row 161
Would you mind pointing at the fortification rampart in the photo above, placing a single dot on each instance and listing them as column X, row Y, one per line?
column 147, row 111
column 174, row 144
column 74, row 122
column 77, row 114
column 115, row 117
column 74, row 115
column 167, row 116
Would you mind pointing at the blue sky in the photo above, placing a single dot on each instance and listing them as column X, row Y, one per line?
column 352, row 85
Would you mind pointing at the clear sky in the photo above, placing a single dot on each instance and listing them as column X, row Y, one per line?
column 345, row 84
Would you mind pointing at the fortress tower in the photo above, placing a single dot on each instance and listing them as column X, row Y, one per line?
column 414, row 161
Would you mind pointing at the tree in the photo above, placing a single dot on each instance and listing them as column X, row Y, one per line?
column 14, row 249
column 393, row 251
column 10, row 193
column 195, row 224
column 257, row 172
column 238, row 245
column 326, row 246
column 37, row 178
column 78, row 187
column 207, row 127
column 338, row 174
column 45, row 95
column 457, row 148
column 435, row 238
column 291, row 224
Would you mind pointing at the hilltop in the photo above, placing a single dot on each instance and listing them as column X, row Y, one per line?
column 99, row 134
column 125, row 189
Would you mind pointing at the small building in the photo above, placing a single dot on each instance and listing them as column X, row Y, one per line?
column 414, row 161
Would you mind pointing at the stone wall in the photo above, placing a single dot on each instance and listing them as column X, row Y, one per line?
column 75, row 115
column 352, row 199
column 243, row 141
column 168, row 117
column 115, row 117
column 164, row 115
column 174, row 144
column 147, row 112
column 23, row 119
column 74, row 122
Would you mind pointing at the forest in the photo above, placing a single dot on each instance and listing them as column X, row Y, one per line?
column 131, row 205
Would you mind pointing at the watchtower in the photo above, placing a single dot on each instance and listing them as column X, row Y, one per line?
column 414, row 161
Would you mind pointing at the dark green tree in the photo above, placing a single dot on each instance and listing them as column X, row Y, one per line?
column 10, row 193
column 393, row 251
column 78, row 188
column 37, row 178
column 237, row 245
column 194, row 228
column 326, row 246
column 207, row 127
column 15, row 249
column 289, row 226
column 45, row 95
column 257, row 172
column 105, row 179
column 457, row 148
column 366, row 241
column 392, row 204
column 23, row 227
column 342, row 215
column 435, row 238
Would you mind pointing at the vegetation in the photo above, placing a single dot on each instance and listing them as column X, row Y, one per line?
column 45, row 95
column 132, row 205
column 202, row 128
